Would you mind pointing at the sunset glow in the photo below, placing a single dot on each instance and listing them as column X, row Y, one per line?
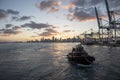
column 23, row 20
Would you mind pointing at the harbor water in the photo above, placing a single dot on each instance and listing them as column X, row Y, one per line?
column 48, row 61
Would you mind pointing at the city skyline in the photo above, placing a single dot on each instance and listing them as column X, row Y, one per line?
column 54, row 39
column 24, row 20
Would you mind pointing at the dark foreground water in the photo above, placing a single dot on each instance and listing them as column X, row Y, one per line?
column 48, row 61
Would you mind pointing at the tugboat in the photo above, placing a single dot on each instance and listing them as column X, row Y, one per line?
column 80, row 56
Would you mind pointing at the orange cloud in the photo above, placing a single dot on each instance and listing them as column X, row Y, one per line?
column 69, row 6
column 50, row 6
column 53, row 9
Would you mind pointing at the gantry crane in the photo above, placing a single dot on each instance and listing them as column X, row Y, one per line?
column 113, row 25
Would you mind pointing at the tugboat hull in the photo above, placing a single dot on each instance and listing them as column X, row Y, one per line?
column 83, row 59
column 80, row 56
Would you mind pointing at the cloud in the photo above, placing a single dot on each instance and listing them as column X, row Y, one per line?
column 5, row 13
column 49, row 32
column 8, row 25
column 66, row 25
column 10, row 11
column 95, row 2
column 14, row 17
column 35, row 25
column 45, row 34
column 79, row 9
column 50, row 5
column 79, row 2
column 84, row 9
column 53, row 9
column 112, row 3
column 86, row 3
column 68, row 31
column 83, row 15
column 16, row 28
column 23, row 18
column 115, row 5
column 46, row 4
column 9, row 32
column 69, row 6
column 55, row 27
column 11, row 26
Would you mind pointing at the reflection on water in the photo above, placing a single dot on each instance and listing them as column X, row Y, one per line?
column 48, row 61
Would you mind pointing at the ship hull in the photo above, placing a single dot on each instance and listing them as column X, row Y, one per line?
column 82, row 59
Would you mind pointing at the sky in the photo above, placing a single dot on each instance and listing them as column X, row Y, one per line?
column 23, row 20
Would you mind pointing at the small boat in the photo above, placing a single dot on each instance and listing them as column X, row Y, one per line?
column 80, row 56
